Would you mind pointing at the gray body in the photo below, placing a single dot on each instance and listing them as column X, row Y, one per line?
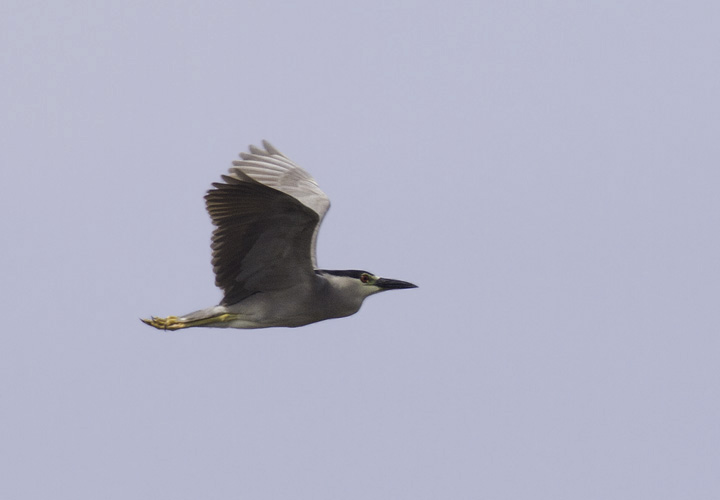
column 323, row 297
column 267, row 214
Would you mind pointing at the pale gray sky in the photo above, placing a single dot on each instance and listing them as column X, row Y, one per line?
column 547, row 172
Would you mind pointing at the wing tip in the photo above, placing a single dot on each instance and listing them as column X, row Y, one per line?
column 270, row 148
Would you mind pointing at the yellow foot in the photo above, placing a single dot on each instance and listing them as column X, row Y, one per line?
column 169, row 323
column 175, row 323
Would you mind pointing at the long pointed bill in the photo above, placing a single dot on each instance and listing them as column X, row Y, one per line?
column 388, row 284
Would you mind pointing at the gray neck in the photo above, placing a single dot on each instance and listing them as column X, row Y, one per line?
column 341, row 295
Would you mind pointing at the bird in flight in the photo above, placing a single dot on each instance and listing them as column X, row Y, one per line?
column 267, row 214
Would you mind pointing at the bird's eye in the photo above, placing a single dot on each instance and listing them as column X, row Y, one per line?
column 365, row 278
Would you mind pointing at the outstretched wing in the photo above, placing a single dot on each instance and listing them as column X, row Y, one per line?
column 273, row 169
column 267, row 212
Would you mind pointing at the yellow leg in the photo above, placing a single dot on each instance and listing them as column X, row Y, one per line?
column 175, row 323
column 169, row 323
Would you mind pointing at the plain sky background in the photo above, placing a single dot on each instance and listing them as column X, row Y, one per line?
column 547, row 172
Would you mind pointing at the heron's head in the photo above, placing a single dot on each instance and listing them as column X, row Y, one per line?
column 363, row 283
column 347, row 290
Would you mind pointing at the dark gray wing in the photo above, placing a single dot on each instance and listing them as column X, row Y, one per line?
column 273, row 169
column 265, row 237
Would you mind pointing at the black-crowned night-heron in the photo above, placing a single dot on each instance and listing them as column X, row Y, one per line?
column 268, row 213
